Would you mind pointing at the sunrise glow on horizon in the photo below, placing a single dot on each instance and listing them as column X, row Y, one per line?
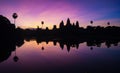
column 52, row 12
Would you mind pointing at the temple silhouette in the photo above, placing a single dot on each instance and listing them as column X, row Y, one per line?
column 74, row 31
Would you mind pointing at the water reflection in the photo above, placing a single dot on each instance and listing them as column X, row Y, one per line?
column 8, row 47
column 15, row 58
column 74, row 43
column 46, row 61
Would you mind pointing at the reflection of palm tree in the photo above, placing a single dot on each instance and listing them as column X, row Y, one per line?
column 91, row 48
column 14, row 16
column 42, row 48
column 42, row 22
column 15, row 58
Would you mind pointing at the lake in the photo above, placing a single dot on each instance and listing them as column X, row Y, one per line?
column 54, row 57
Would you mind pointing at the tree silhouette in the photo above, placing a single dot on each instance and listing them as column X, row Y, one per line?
column 91, row 22
column 108, row 23
column 14, row 16
column 42, row 22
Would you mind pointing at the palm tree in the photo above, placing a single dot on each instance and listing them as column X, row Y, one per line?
column 42, row 22
column 91, row 22
column 14, row 16
column 108, row 23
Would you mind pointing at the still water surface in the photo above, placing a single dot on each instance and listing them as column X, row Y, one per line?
column 51, row 58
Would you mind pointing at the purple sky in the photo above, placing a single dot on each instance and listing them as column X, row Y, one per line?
column 32, row 12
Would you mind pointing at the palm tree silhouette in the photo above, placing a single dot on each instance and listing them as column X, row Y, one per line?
column 14, row 16
column 108, row 23
column 91, row 22
column 42, row 22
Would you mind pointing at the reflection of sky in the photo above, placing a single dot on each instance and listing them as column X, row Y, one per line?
column 32, row 12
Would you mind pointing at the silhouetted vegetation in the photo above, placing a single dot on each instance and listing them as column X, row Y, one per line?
column 7, row 29
column 10, row 38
